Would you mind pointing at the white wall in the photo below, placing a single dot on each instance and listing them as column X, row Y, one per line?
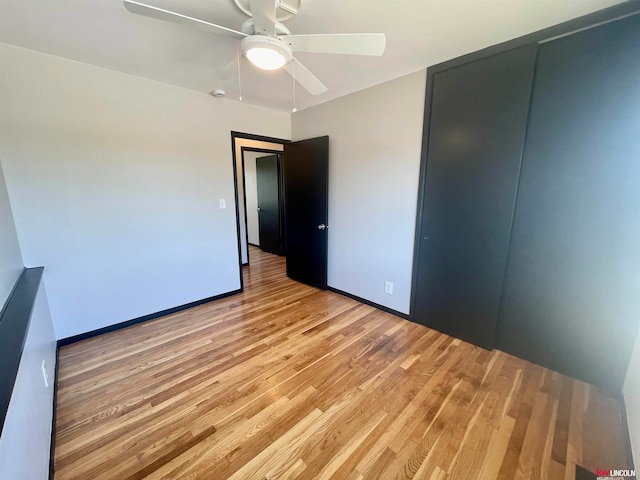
column 114, row 182
column 239, row 143
column 375, row 138
column 10, row 257
column 251, row 184
column 631, row 393
column 26, row 436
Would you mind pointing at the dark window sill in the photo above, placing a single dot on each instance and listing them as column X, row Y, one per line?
column 14, row 325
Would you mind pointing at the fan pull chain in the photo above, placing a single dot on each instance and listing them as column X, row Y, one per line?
column 293, row 77
column 239, row 81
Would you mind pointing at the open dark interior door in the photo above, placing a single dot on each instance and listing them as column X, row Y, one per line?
column 306, row 184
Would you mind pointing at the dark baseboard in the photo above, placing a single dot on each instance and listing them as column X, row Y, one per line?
column 52, row 447
column 370, row 303
column 254, row 245
column 145, row 318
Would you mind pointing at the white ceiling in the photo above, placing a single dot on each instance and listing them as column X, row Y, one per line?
column 419, row 33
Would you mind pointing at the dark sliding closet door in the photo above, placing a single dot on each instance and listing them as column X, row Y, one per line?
column 572, row 289
column 478, row 120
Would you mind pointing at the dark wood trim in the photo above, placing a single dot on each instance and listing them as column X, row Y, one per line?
column 235, row 189
column 52, row 445
column 630, row 7
column 260, row 150
column 370, row 303
column 15, row 318
column 281, row 203
column 258, row 138
column 244, row 189
column 145, row 318
column 244, row 205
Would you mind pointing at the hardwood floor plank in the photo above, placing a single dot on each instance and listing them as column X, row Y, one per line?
column 287, row 381
column 260, row 429
column 497, row 449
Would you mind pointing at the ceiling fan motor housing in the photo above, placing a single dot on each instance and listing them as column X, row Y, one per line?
column 249, row 28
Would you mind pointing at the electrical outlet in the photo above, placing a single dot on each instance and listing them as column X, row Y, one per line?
column 45, row 375
column 388, row 287
column 223, row 203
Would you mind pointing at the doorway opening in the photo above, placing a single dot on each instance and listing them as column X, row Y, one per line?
column 241, row 144
column 294, row 217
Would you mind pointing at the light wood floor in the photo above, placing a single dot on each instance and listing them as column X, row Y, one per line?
column 287, row 381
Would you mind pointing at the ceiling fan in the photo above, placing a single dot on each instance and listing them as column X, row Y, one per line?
column 268, row 44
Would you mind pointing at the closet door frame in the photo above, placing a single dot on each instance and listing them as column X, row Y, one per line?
column 596, row 18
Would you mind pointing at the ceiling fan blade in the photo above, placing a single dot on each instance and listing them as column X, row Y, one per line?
column 304, row 77
column 342, row 43
column 161, row 14
column 264, row 16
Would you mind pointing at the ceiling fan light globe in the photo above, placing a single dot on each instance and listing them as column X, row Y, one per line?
column 266, row 58
column 267, row 53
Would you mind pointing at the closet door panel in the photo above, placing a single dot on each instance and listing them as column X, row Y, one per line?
column 572, row 290
column 477, row 126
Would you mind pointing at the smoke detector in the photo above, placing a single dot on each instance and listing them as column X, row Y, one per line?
column 219, row 93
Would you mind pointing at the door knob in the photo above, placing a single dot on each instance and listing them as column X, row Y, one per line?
column 322, row 226
column 259, row 209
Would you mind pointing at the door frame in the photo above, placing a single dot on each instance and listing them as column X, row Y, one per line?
column 234, row 158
